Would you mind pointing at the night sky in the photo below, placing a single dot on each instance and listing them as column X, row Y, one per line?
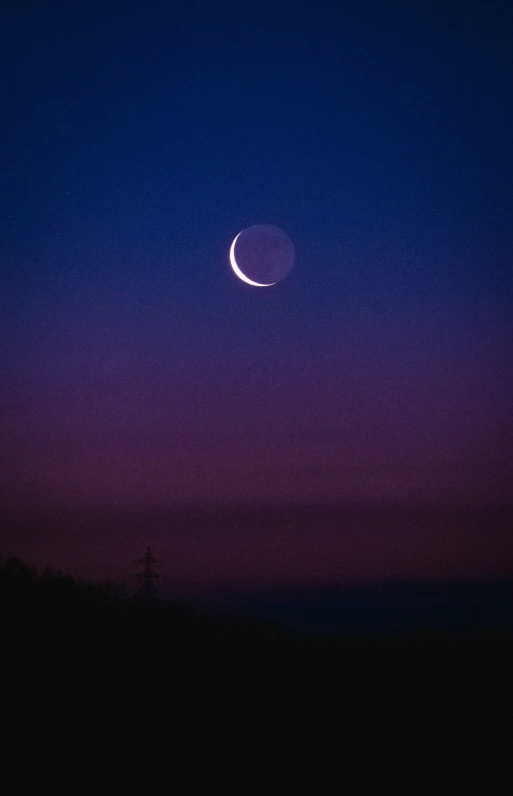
column 353, row 422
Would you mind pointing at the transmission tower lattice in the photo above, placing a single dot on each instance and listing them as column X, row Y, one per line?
column 148, row 574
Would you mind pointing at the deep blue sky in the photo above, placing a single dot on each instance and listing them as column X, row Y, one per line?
column 136, row 141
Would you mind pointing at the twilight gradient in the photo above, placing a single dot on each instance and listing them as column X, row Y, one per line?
column 144, row 386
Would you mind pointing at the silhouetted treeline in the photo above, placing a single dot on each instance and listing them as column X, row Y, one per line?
column 89, row 661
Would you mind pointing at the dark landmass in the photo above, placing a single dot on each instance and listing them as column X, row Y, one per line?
column 88, row 665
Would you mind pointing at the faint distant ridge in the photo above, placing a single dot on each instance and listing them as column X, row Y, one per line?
column 459, row 607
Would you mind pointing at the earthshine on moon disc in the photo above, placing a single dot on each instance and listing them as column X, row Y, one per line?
column 262, row 255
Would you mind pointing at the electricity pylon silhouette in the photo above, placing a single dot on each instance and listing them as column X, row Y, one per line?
column 148, row 574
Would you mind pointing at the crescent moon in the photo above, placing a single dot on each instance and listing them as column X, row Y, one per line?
column 233, row 263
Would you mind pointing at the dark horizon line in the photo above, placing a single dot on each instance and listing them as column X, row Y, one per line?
column 310, row 589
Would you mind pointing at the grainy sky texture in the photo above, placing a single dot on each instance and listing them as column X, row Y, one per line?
column 138, row 374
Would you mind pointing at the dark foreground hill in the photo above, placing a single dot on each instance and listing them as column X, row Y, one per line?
column 86, row 667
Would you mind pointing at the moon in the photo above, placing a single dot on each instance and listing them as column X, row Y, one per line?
column 262, row 255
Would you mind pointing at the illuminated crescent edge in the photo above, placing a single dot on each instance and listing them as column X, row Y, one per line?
column 233, row 263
